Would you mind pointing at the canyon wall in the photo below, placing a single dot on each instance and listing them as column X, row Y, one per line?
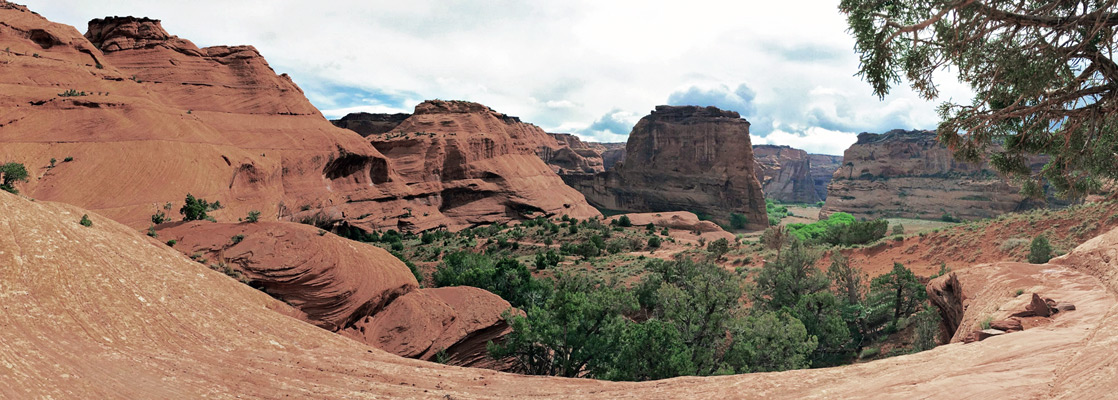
column 823, row 169
column 683, row 159
column 135, row 118
column 785, row 174
column 367, row 124
column 909, row 174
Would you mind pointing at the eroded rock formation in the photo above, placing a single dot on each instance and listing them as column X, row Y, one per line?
column 465, row 163
column 148, row 117
column 785, row 174
column 683, row 159
column 909, row 174
column 351, row 288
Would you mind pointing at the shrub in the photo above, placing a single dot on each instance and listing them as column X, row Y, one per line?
column 738, row 221
column 898, row 229
column 86, row 222
column 12, row 172
column 52, row 161
column 948, row 218
column 654, row 242
column 158, row 218
column 151, row 231
column 1039, row 250
column 253, row 216
column 719, row 248
column 172, row 242
column 547, row 259
column 68, row 159
column 237, row 238
column 624, row 221
column 194, row 209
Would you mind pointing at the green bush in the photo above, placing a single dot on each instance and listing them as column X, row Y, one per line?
column 237, row 238
column 195, row 209
column 253, row 216
column 654, row 242
column 1040, row 251
column 738, row 221
column 85, row 221
column 898, row 229
column 624, row 221
column 12, row 173
column 504, row 277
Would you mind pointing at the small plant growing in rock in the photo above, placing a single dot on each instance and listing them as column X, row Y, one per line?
column 52, row 161
column 253, row 216
column 237, row 238
column 68, row 159
column 172, row 242
column 85, row 221
column 151, row 231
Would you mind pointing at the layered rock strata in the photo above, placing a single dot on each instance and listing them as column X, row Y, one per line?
column 909, row 174
column 683, row 159
column 785, row 174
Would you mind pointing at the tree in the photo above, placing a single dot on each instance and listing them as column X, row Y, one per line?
column 194, row 209
column 1043, row 73
column 12, row 172
column 624, row 221
column 719, row 248
column 781, row 283
column 253, row 216
column 769, row 341
column 849, row 283
column 738, row 221
column 650, row 350
column 1039, row 250
column 900, row 290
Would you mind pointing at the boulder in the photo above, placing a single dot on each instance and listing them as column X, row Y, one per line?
column 1007, row 325
column 946, row 293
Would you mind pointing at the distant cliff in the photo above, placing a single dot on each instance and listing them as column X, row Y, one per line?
column 683, row 159
column 823, row 168
column 785, row 174
column 909, row 174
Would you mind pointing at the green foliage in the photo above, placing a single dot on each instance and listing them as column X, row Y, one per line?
column 151, row 231
column 237, row 238
column 195, row 209
column 650, row 350
column 900, row 290
column 72, row 93
column 158, row 218
column 172, row 242
column 654, row 242
column 623, row 221
column 85, row 221
column 769, row 341
column 949, row 218
column 12, row 172
column 816, row 230
column 571, row 332
column 927, row 329
column 857, row 232
column 68, row 159
column 547, row 259
column 1031, row 96
column 782, row 282
column 719, row 248
column 253, row 216
column 898, row 229
column 504, row 277
column 1040, row 251
column 738, row 221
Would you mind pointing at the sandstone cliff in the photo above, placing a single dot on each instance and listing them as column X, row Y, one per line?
column 683, row 159
column 148, row 117
column 823, row 169
column 909, row 174
column 466, row 163
column 785, row 174
column 370, row 124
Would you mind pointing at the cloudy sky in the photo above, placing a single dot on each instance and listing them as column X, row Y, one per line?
column 590, row 67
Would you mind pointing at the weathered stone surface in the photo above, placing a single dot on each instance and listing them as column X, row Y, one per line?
column 946, row 293
column 1007, row 325
column 823, row 169
column 683, row 159
column 370, row 124
column 785, row 174
column 465, row 164
column 351, row 288
column 909, row 174
column 574, row 156
column 1039, row 307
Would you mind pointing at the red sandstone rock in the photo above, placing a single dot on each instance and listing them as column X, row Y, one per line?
column 1039, row 307
column 823, row 169
column 1007, row 325
column 352, row 288
column 683, row 159
column 946, row 293
column 370, row 124
column 909, row 174
column 785, row 174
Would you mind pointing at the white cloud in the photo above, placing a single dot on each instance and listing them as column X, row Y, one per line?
column 814, row 140
column 560, row 65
